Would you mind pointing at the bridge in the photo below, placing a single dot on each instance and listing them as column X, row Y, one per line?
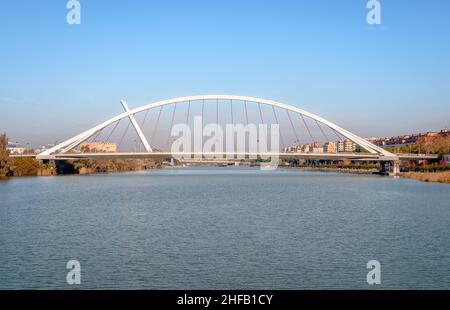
column 148, row 132
column 231, row 156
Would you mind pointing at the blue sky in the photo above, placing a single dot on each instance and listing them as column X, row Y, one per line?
column 58, row 79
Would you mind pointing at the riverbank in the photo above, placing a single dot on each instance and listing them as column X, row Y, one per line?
column 33, row 167
column 343, row 170
column 105, row 166
column 29, row 167
column 340, row 170
column 438, row 177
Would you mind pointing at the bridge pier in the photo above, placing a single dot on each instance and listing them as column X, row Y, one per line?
column 391, row 168
column 396, row 167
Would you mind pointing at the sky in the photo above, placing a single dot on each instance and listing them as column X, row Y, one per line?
column 57, row 80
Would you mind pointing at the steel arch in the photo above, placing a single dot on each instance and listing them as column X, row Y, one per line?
column 78, row 139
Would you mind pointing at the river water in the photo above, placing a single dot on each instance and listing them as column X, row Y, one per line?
column 224, row 228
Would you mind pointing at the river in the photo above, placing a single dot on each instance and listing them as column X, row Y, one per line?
column 224, row 228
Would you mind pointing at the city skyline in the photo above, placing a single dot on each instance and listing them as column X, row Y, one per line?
column 59, row 79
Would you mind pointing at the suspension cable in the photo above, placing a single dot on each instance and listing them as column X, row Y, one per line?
column 231, row 103
column 292, row 125
column 337, row 135
column 98, row 134
column 187, row 114
column 95, row 136
column 217, row 120
column 217, row 111
column 123, row 136
column 203, row 109
column 307, row 128
column 110, row 134
column 187, row 123
column 260, row 113
column 171, row 125
column 323, row 132
column 246, row 113
column 276, row 119
column 156, row 124
column 145, row 118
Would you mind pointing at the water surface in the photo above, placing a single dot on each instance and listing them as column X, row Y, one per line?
column 224, row 228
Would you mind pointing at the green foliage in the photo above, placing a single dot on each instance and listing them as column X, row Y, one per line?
column 5, row 160
column 430, row 168
column 24, row 166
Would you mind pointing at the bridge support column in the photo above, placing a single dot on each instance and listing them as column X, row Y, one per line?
column 391, row 168
column 395, row 170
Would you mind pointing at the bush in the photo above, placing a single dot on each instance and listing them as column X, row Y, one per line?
column 5, row 160
column 26, row 167
column 430, row 168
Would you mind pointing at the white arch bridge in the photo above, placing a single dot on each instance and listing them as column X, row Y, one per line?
column 298, row 129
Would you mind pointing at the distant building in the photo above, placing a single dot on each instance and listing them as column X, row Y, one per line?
column 347, row 146
column 289, row 149
column 98, row 147
column 329, row 147
column 316, row 147
column 15, row 148
column 406, row 139
column 302, row 148
column 340, row 146
column 305, row 148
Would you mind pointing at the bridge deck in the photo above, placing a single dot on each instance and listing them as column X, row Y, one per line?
column 231, row 156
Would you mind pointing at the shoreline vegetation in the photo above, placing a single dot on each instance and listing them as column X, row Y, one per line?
column 437, row 177
column 104, row 166
column 434, row 177
column 27, row 166
column 31, row 167
column 335, row 169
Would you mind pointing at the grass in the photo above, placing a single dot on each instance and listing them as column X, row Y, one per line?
column 439, row 177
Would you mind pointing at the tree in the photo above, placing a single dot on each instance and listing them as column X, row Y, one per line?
column 26, row 167
column 434, row 144
column 5, row 160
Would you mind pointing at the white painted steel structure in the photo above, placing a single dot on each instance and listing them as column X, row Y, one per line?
column 73, row 142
